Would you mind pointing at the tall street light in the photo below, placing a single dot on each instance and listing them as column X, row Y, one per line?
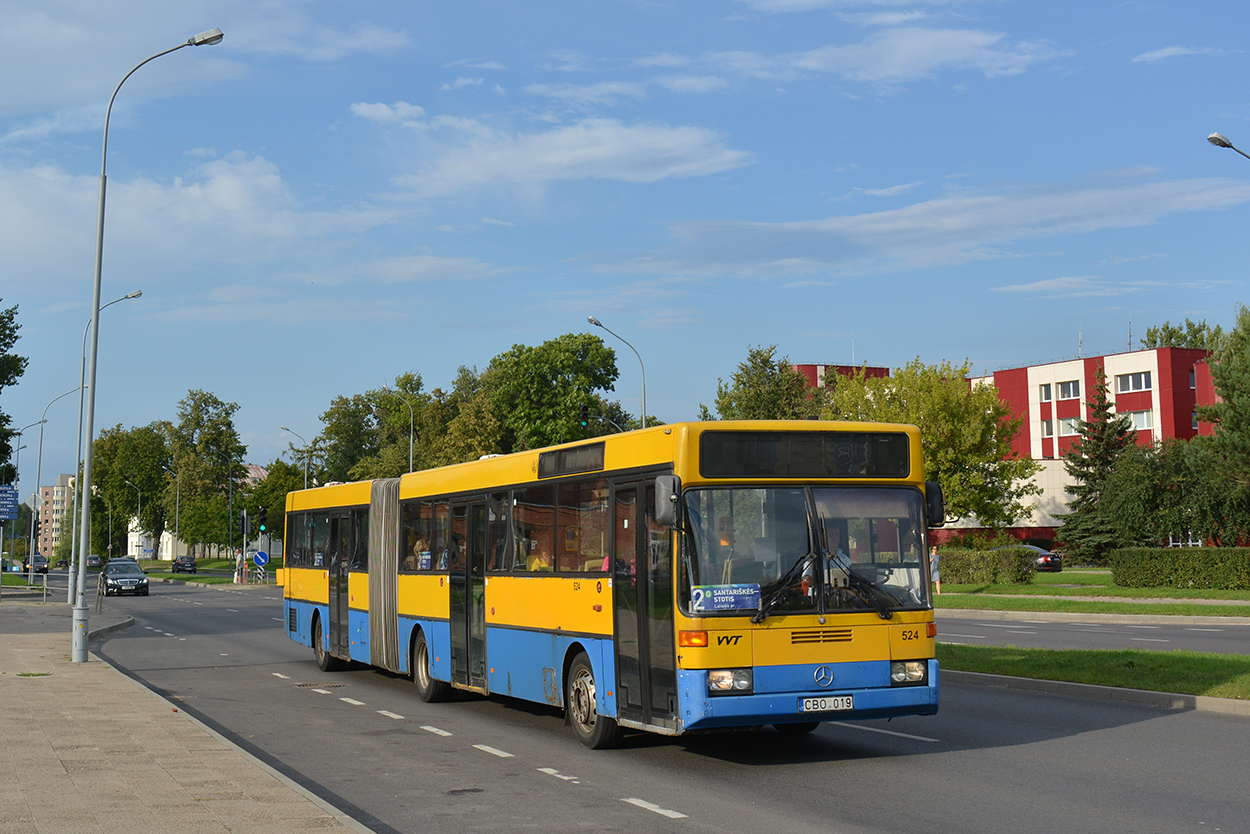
column 598, row 323
column 79, row 653
column 307, row 450
column 1221, row 141
column 82, row 374
column 39, row 467
column 411, row 421
column 138, row 517
column 177, row 506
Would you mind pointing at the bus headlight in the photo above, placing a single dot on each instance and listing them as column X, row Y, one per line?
column 908, row 671
column 729, row 681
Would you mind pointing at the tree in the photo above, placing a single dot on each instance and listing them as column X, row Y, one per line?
column 12, row 367
column 1230, row 444
column 270, row 492
column 1089, row 532
column 966, row 432
column 1194, row 335
column 765, row 388
column 349, row 436
column 208, row 456
column 129, row 469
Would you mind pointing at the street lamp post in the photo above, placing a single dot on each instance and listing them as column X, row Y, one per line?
column 177, row 503
column 598, row 323
column 82, row 374
column 39, row 468
column 307, row 451
column 1221, row 141
column 79, row 653
column 411, row 422
column 139, row 518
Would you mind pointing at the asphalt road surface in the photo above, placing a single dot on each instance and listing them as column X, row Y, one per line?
column 992, row 760
column 1223, row 638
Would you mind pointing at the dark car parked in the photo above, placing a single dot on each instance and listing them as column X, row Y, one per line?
column 1043, row 560
column 122, row 576
column 183, row 564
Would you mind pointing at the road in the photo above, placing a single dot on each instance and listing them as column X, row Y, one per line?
column 991, row 760
column 1222, row 638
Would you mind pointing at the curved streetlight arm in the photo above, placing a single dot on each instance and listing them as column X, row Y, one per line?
column 598, row 323
column 307, row 453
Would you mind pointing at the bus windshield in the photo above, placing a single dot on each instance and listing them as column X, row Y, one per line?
column 768, row 550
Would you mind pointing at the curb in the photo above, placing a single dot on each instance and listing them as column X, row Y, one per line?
column 1166, row 700
column 105, row 631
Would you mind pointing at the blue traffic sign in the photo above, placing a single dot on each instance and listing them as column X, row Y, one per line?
column 8, row 502
column 261, row 558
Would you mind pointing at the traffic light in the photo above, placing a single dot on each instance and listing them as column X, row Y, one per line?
column 263, row 520
column 585, row 416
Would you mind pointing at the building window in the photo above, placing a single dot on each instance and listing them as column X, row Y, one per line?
column 1043, row 392
column 1048, row 428
column 1140, row 381
column 1069, row 426
column 1193, row 418
column 1142, row 420
column 1193, row 379
column 1070, row 390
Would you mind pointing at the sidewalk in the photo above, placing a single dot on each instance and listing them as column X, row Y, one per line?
column 87, row 749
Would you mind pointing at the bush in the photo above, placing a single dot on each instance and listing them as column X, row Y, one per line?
column 1212, row 568
column 1007, row 566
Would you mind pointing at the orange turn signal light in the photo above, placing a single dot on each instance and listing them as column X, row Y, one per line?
column 692, row 639
column 932, row 630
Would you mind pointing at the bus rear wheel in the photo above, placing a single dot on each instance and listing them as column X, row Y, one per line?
column 326, row 662
column 593, row 730
column 428, row 689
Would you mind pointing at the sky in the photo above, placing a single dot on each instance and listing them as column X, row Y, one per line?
column 339, row 193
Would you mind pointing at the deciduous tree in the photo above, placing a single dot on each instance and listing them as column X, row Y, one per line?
column 765, row 388
column 12, row 367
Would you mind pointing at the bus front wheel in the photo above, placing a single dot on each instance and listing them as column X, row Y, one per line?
column 428, row 689
column 592, row 729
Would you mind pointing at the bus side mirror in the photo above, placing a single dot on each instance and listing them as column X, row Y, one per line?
column 667, row 494
column 934, row 504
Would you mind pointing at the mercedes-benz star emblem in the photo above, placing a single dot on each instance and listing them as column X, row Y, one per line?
column 823, row 676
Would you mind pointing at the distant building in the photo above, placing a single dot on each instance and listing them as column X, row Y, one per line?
column 815, row 374
column 1158, row 389
column 54, row 502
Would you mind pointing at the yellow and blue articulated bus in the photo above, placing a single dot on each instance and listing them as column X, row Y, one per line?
column 676, row 579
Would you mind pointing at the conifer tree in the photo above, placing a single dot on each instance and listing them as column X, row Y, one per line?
column 1087, row 534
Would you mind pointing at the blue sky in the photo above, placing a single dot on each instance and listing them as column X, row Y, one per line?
column 339, row 193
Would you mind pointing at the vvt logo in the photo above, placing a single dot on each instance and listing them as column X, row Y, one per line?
column 728, row 639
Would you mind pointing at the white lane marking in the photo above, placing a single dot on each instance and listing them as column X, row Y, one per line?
column 276, row 619
column 1149, row 640
column 651, row 806
column 149, row 628
column 353, row 702
column 435, row 730
column 322, row 691
column 390, row 714
column 280, row 675
column 1215, row 630
column 233, row 610
column 225, row 654
column 883, row 732
column 551, row 771
column 1018, row 631
column 1141, row 626
column 486, row 748
column 197, row 603
column 969, row 636
column 956, row 643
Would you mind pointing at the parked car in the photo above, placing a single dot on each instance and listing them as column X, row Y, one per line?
column 61, row 563
column 38, row 564
column 93, row 561
column 1043, row 560
column 123, row 576
column 183, row 564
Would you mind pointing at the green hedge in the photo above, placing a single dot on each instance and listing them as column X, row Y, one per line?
column 1212, row 568
column 1007, row 566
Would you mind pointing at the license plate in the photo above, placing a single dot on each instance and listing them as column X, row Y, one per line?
column 829, row 703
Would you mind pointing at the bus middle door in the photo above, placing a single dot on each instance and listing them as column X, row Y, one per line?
column 468, row 593
column 338, row 564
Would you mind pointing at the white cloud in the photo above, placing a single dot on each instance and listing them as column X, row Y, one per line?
column 461, row 83
column 607, row 92
column 955, row 228
column 910, row 53
column 590, row 149
column 416, row 268
column 1171, row 52
column 692, row 83
column 397, row 113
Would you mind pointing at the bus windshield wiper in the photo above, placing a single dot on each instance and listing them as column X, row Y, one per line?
column 783, row 584
column 867, row 591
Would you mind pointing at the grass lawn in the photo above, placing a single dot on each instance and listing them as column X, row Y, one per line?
column 1189, row 673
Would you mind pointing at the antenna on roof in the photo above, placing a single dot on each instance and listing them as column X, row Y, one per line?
column 1080, row 340
column 1130, row 334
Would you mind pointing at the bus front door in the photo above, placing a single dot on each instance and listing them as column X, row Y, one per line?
column 642, row 584
column 468, row 594
column 339, row 557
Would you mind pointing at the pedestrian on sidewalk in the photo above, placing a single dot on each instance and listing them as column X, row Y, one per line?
column 934, row 570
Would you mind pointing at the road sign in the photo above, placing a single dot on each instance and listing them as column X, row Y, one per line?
column 261, row 558
column 8, row 502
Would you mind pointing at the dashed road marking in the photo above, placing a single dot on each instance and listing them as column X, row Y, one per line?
column 651, row 806
column 551, row 771
column 322, row 691
column 1149, row 640
column 1215, row 630
column 883, row 732
column 353, row 702
column 435, row 730
column 486, row 748
column 390, row 714
column 233, row 610
column 280, row 675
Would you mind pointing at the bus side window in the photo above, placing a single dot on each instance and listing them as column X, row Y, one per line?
column 534, row 521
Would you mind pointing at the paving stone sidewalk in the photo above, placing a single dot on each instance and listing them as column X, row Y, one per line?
column 83, row 748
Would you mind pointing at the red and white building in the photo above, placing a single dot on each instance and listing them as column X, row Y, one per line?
column 815, row 374
column 1159, row 389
